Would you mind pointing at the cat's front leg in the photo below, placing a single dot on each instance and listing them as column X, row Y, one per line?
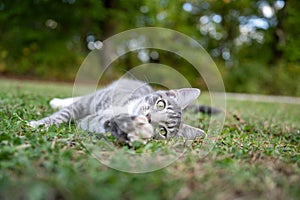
column 63, row 115
column 128, row 128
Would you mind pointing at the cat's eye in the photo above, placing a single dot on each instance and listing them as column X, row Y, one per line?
column 160, row 105
column 162, row 131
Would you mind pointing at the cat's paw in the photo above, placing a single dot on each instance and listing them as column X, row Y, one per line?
column 56, row 103
column 129, row 128
column 143, row 130
column 33, row 124
column 36, row 124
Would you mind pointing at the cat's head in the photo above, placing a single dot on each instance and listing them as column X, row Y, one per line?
column 164, row 111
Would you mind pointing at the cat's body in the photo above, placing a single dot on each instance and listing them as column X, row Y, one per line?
column 130, row 109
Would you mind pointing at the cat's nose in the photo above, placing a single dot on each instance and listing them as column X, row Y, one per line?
column 148, row 117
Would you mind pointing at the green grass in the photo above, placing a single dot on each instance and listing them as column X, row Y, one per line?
column 255, row 157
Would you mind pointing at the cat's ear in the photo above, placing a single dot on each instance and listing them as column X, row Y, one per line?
column 185, row 96
column 190, row 133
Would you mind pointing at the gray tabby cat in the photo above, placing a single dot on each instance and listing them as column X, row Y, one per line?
column 129, row 109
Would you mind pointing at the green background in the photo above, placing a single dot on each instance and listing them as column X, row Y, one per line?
column 253, row 42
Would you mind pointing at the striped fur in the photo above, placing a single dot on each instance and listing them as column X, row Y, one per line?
column 126, row 103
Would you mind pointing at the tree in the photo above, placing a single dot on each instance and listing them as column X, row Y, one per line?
column 38, row 37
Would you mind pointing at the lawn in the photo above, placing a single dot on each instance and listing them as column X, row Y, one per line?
column 256, row 156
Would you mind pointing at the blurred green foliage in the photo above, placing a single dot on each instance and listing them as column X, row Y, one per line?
column 254, row 43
